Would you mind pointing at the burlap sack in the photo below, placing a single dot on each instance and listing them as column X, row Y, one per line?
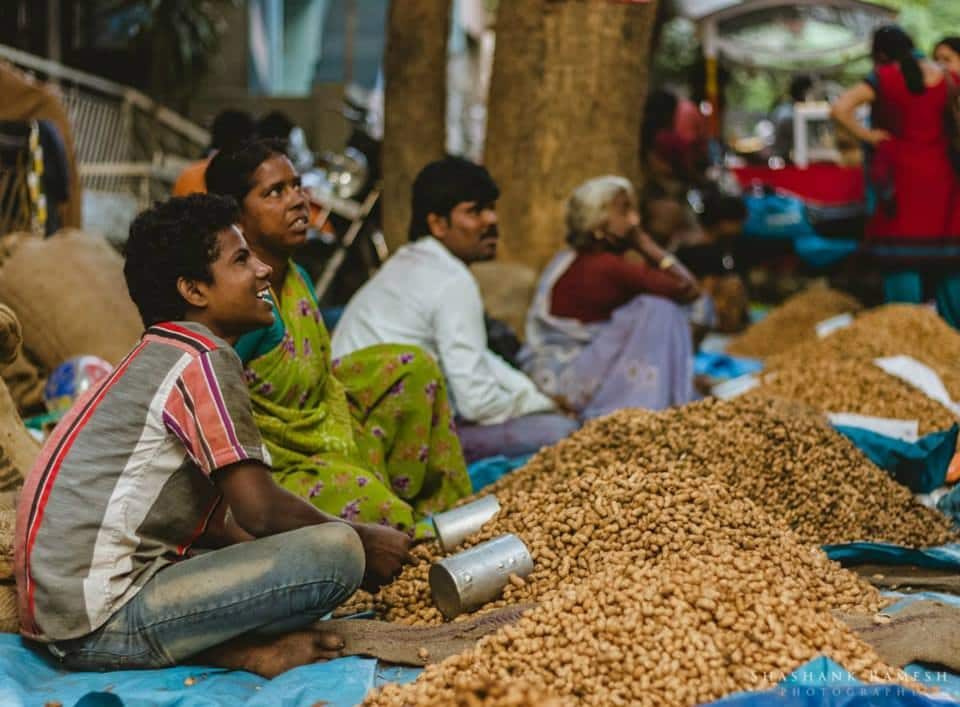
column 18, row 450
column 507, row 290
column 25, row 384
column 9, row 618
column 924, row 632
column 8, row 500
column 22, row 377
column 71, row 298
column 418, row 645
column 10, row 335
column 8, row 520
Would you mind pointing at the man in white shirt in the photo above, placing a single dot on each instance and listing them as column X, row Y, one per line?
column 426, row 295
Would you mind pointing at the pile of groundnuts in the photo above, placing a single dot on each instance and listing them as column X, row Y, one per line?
column 838, row 374
column 792, row 323
column 676, row 561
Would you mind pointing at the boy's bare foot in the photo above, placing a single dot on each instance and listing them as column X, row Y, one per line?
column 271, row 656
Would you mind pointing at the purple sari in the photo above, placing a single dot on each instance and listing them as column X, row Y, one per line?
column 641, row 357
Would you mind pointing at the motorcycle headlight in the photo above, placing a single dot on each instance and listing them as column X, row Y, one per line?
column 347, row 172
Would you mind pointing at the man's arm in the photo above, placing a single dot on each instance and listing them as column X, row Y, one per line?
column 482, row 390
column 262, row 508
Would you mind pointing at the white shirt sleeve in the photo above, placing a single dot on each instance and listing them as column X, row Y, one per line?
column 485, row 389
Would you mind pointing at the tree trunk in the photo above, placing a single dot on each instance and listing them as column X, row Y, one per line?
column 414, row 103
column 566, row 104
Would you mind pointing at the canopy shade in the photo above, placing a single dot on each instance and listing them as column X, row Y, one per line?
column 786, row 34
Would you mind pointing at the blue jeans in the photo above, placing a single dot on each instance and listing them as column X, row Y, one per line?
column 514, row 438
column 272, row 585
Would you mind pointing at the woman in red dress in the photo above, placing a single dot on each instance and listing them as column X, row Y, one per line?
column 914, row 231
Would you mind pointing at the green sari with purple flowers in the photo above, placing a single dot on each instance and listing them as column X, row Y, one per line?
column 368, row 437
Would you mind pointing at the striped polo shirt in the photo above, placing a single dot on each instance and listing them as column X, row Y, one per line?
column 122, row 487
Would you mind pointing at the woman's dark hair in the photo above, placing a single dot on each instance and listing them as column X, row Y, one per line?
column 230, row 172
column 892, row 44
column 176, row 238
column 952, row 42
column 443, row 184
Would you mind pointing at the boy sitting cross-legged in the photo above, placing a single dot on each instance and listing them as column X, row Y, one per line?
column 163, row 457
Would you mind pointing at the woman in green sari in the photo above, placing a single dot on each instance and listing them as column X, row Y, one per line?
column 368, row 437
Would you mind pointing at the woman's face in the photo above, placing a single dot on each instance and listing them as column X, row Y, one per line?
column 275, row 214
column 622, row 220
column 947, row 58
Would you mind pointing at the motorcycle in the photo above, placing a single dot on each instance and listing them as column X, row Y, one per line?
column 345, row 244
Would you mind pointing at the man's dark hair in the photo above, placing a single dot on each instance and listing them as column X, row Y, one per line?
column 799, row 87
column 443, row 184
column 231, row 128
column 176, row 238
column 722, row 207
column 230, row 172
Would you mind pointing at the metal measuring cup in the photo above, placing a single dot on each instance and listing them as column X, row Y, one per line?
column 467, row 580
column 456, row 525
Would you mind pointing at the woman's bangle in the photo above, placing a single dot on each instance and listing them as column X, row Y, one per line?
column 668, row 261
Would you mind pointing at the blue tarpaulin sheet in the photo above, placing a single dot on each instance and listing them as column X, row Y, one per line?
column 943, row 557
column 720, row 365
column 784, row 218
column 485, row 471
column 921, row 466
column 819, row 252
column 949, row 505
column 29, row 678
column 776, row 217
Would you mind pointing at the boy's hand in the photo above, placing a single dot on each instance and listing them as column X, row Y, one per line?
column 386, row 550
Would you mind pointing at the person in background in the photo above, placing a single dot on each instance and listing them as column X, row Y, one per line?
column 947, row 54
column 107, row 572
column 711, row 257
column 673, row 145
column 782, row 115
column 606, row 332
column 275, row 125
column 671, row 222
column 659, row 115
column 426, row 295
column 690, row 124
column 914, row 231
column 230, row 128
column 367, row 436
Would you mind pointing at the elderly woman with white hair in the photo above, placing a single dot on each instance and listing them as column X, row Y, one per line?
column 606, row 331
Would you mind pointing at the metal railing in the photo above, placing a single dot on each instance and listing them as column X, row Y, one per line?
column 125, row 143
